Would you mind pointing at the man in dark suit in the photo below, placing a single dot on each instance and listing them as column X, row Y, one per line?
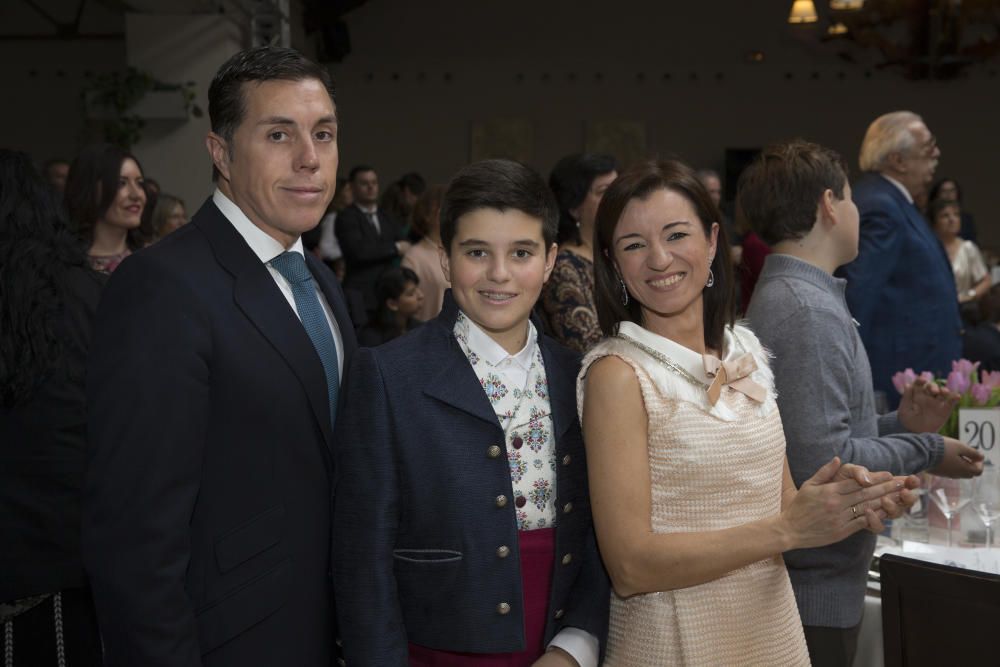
column 370, row 239
column 213, row 386
column 901, row 288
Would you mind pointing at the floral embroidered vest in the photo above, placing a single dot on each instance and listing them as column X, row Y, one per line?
column 525, row 415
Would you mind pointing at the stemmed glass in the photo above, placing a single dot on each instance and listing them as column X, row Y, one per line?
column 986, row 498
column 950, row 496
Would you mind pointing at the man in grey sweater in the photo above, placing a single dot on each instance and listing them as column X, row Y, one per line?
column 796, row 197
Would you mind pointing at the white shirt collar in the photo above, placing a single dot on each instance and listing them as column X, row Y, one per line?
column 263, row 245
column 493, row 353
column 900, row 186
column 684, row 357
column 373, row 209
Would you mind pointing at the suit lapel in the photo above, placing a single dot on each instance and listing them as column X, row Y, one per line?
column 562, row 390
column 455, row 382
column 257, row 295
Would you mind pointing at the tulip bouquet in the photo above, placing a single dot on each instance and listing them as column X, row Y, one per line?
column 977, row 389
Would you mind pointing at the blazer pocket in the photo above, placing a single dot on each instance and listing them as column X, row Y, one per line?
column 242, row 608
column 427, row 555
column 253, row 537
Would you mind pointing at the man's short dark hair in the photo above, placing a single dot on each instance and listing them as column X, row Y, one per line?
column 501, row 185
column 357, row 170
column 226, row 98
column 779, row 191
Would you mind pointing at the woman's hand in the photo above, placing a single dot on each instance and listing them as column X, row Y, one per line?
column 833, row 504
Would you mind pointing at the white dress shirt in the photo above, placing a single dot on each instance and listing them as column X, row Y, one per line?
column 267, row 248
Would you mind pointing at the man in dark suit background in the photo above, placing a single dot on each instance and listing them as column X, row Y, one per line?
column 213, row 385
column 370, row 239
column 901, row 288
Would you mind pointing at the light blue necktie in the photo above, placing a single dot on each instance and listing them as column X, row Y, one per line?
column 293, row 267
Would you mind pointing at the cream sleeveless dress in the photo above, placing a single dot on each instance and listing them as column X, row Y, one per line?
column 711, row 467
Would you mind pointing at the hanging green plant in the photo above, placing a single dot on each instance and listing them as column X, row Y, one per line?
column 114, row 97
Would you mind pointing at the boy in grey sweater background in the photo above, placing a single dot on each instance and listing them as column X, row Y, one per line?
column 796, row 197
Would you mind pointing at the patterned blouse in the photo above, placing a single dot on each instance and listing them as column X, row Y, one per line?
column 568, row 302
column 107, row 263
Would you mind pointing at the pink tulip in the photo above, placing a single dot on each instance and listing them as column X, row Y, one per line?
column 903, row 379
column 981, row 393
column 964, row 366
column 927, row 375
column 958, row 382
column 990, row 378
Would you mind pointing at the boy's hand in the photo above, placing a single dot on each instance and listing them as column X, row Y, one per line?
column 959, row 460
column 556, row 657
column 925, row 406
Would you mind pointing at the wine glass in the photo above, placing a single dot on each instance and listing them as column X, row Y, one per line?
column 986, row 498
column 950, row 496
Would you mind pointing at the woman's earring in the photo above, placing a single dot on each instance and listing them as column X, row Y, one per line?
column 624, row 292
column 711, row 278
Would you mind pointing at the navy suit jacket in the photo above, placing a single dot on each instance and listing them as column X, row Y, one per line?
column 367, row 252
column 416, row 525
column 901, row 288
column 207, row 506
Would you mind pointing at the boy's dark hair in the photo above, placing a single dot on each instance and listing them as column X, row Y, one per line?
column 91, row 188
column 779, row 191
column 226, row 99
column 639, row 182
column 359, row 169
column 570, row 181
column 501, row 185
column 392, row 283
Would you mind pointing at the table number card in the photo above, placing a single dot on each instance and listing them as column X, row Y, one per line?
column 980, row 429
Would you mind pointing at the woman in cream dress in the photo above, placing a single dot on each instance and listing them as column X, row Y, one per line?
column 692, row 499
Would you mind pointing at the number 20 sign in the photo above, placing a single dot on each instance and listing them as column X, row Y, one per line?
column 980, row 429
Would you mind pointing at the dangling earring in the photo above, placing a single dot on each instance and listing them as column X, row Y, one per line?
column 711, row 278
column 624, row 292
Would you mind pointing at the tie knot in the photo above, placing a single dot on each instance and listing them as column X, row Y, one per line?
column 292, row 266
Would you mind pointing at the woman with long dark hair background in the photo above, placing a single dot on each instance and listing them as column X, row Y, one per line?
column 48, row 297
column 105, row 200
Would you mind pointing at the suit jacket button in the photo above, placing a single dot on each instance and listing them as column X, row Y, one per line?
column 567, row 508
column 517, row 442
column 567, row 559
column 503, row 551
column 567, row 459
column 503, row 608
column 559, row 614
column 339, row 642
column 501, row 501
column 493, row 452
column 341, row 662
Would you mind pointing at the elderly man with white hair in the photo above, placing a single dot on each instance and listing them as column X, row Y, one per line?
column 900, row 288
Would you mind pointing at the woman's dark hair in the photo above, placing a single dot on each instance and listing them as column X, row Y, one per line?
column 638, row 182
column 938, row 205
column 936, row 189
column 501, row 185
column 91, row 188
column 779, row 191
column 36, row 248
column 428, row 206
column 570, row 181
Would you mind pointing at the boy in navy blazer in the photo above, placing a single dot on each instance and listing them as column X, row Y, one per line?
column 462, row 526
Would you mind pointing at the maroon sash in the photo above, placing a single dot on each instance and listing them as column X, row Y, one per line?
column 537, row 551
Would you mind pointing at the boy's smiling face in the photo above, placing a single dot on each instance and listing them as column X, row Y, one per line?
column 497, row 264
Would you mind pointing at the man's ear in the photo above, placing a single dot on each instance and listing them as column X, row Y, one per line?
column 218, row 149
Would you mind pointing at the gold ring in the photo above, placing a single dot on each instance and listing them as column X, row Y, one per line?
column 854, row 510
